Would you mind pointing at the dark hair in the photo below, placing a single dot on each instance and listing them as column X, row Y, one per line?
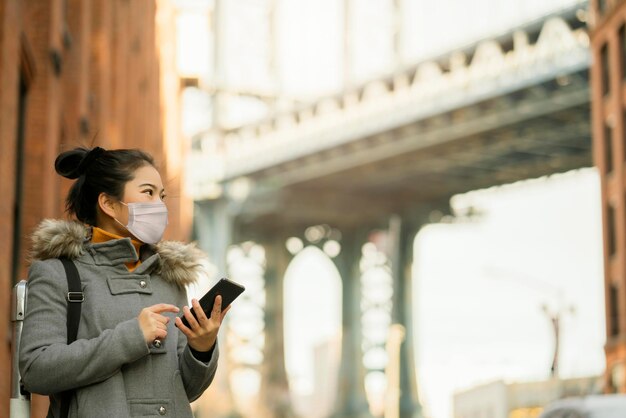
column 97, row 171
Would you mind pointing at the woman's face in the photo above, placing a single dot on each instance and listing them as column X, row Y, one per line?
column 146, row 187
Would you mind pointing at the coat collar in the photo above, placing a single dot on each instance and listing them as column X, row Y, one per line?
column 177, row 263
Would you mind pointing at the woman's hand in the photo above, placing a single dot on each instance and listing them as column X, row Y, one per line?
column 152, row 323
column 202, row 332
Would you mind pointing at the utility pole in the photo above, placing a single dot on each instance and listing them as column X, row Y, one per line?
column 555, row 320
column 554, row 317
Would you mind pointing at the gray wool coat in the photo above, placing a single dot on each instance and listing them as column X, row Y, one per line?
column 111, row 369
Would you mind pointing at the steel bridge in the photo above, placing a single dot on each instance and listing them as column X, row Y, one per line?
column 382, row 157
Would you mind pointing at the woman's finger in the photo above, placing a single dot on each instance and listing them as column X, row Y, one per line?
column 191, row 320
column 200, row 315
column 162, row 307
column 217, row 307
column 181, row 326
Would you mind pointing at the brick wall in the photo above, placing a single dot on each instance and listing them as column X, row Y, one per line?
column 608, row 90
column 9, row 83
column 95, row 75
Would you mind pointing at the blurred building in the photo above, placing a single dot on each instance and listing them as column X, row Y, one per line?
column 519, row 400
column 608, row 44
column 78, row 73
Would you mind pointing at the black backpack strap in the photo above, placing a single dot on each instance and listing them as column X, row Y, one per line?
column 75, row 298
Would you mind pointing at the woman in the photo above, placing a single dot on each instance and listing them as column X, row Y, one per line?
column 133, row 356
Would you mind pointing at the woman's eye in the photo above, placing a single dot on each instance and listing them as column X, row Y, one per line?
column 148, row 191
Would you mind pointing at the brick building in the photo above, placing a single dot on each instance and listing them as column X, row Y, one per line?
column 79, row 72
column 608, row 86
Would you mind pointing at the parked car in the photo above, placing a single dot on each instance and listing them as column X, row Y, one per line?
column 597, row 406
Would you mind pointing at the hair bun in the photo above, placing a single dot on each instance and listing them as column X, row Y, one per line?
column 72, row 164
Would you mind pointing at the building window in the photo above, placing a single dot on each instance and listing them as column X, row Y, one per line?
column 613, row 310
column 612, row 241
column 608, row 148
column 604, row 59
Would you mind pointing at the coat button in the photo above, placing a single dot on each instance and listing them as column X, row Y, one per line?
column 157, row 343
column 162, row 410
column 143, row 284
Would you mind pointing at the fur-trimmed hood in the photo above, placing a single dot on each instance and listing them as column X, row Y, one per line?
column 179, row 263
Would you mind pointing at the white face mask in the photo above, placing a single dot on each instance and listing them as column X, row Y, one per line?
column 146, row 221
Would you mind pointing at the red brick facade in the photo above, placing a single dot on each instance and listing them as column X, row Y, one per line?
column 78, row 72
column 608, row 87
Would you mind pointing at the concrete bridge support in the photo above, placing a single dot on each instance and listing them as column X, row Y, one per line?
column 274, row 398
column 401, row 237
column 398, row 246
column 351, row 398
column 212, row 232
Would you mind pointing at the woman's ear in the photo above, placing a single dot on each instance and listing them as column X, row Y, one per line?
column 107, row 204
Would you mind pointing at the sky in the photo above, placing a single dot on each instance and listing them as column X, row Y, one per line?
column 480, row 287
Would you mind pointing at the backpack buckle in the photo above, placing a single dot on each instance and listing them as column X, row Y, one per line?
column 75, row 297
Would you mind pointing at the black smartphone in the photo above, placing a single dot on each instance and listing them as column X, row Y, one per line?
column 229, row 291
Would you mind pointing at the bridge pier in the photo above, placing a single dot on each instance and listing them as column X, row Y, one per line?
column 401, row 237
column 398, row 246
column 217, row 228
column 351, row 398
column 212, row 230
column 275, row 401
